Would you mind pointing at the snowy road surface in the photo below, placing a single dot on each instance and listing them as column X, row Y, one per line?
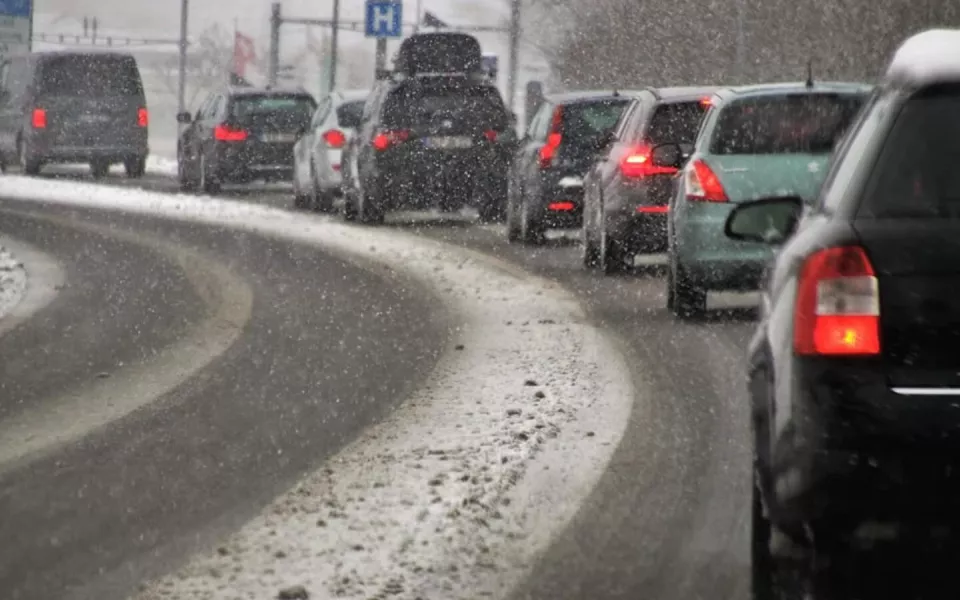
column 13, row 279
column 463, row 484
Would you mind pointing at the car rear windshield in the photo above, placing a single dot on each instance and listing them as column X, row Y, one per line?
column 787, row 124
column 292, row 107
column 586, row 123
column 676, row 123
column 441, row 53
column 350, row 112
column 90, row 76
column 916, row 174
column 479, row 106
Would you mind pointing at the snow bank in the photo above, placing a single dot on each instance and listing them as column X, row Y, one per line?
column 13, row 280
column 456, row 493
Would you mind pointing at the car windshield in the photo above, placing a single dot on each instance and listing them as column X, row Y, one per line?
column 90, row 75
column 784, row 124
column 476, row 105
column 916, row 174
column 585, row 123
column 677, row 122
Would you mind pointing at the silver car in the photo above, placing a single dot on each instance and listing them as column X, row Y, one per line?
column 317, row 154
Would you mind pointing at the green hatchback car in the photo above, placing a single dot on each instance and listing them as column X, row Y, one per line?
column 755, row 141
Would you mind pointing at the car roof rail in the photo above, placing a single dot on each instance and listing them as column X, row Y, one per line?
column 654, row 91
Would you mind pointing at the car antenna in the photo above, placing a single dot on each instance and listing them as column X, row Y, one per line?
column 810, row 73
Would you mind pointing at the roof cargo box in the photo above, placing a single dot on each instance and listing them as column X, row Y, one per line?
column 439, row 52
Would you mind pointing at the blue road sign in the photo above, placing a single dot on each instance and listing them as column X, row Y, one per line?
column 384, row 18
column 15, row 8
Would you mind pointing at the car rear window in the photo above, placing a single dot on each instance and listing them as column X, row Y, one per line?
column 677, row 122
column 784, row 124
column 584, row 123
column 293, row 107
column 440, row 53
column 412, row 107
column 916, row 174
column 350, row 112
column 90, row 75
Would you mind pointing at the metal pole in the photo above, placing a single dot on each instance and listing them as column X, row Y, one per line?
column 182, row 75
column 274, row 61
column 416, row 23
column 741, row 44
column 514, row 52
column 381, row 53
column 334, row 45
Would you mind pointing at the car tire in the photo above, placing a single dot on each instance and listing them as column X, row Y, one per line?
column 532, row 232
column 135, row 167
column 349, row 209
column 611, row 257
column 29, row 165
column 99, row 169
column 513, row 224
column 323, row 202
column 301, row 201
column 371, row 210
column 686, row 299
column 208, row 185
column 491, row 210
column 591, row 252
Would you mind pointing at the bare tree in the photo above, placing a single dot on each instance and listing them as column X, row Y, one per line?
column 208, row 63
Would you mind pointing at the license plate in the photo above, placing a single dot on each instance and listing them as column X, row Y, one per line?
column 448, row 142
column 278, row 138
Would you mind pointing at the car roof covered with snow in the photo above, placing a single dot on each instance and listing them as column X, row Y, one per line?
column 245, row 90
column 930, row 56
column 773, row 89
column 352, row 95
column 590, row 95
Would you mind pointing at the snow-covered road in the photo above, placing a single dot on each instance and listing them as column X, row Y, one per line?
column 458, row 490
column 13, row 280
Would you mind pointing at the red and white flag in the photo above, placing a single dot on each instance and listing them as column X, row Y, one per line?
column 244, row 53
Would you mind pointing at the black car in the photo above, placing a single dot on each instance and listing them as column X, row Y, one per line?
column 240, row 135
column 627, row 196
column 854, row 369
column 546, row 176
column 73, row 106
column 429, row 140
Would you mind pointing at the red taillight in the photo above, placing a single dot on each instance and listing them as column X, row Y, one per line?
column 336, row 167
column 838, row 305
column 385, row 139
column 639, row 163
column 703, row 184
column 39, row 119
column 549, row 150
column 222, row 133
column 143, row 118
column 334, row 138
column 653, row 209
column 561, row 206
column 491, row 135
column 706, row 101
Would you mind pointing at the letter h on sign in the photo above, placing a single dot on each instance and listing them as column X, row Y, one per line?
column 384, row 18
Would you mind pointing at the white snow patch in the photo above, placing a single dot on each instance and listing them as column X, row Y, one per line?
column 456, row 493
column 13, row 280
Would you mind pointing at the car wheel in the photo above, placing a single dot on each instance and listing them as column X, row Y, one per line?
column 532, row 232
column 135, row 167
column 513, row 224
column 323, row 201
column 28, row 164
column 612, row 259
column 349, row 209
column 208, row 185
column 689, row 301
column 371, row 210
column 591, row 253
column 99, row 169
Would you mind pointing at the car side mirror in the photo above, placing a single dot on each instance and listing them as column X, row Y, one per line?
column 667, row 155
column 184, row 118
column 767, row 220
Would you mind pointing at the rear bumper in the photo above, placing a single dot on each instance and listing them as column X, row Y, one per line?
column 865, row 453
column 54, row 146
column 637, row 214
column 249, row 161
column 407, row 177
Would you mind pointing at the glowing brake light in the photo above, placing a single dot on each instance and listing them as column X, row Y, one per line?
column 838, row 305
column 703, row 185
column 639, row 163
column 223, row 133
column 143, row 118
column 334, row 138
column 385, row 139
column 549, row 150
column 39, row 118
column 491, row 135
column 706, row 101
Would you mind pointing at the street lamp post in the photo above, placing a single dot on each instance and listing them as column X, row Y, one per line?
column 182, row 76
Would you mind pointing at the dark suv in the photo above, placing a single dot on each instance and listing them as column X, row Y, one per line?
column 627, row 196
column 854, row 373
column 561, row 142
column 431, row 140
column 71, row 106
column 242, row 134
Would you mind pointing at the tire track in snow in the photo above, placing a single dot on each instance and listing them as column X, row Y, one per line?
column 463, row 486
